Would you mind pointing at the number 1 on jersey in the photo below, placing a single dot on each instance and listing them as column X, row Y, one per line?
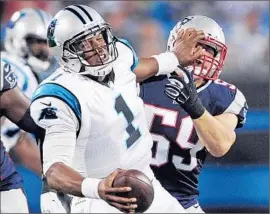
column 134, row 134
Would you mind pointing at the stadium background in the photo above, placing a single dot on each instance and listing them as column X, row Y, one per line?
column 238, row 182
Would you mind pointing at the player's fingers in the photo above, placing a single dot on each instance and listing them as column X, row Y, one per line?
column 171, row 91
column 177, row 80
column 198, row 36
column 196, row 49
column 189, row 33
column 124, row 207
column 118, row 189
column 198, row 53
column 180, row 33
column 187, row 76
column 131, row 211
column 112, row 176
column 114, row 198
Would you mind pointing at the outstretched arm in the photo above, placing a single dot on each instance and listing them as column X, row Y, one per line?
column 184, row 52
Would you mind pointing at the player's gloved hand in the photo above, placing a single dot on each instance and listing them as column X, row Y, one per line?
column 107, row 193
column 185, row 48
column 183, row 90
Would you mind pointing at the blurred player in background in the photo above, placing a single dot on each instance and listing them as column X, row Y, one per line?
column 28, row 54
column 198, row 115
column 14, row 106
column 93, row 117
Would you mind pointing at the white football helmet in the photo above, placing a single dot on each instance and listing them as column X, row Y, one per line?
column 214, row 39
column 71, row 36
column 25, row 28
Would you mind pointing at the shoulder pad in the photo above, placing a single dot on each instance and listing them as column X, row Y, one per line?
column 127, row 53
column 228, row 99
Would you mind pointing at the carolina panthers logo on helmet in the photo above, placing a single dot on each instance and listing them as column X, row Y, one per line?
column 50, row 34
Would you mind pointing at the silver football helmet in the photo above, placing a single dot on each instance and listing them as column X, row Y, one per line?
column 83, row 41
column 214, row 39
column 26, row 33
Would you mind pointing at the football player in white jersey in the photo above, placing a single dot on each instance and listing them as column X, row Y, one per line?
column 198, row 116
column 28, row 54
column 94, row 121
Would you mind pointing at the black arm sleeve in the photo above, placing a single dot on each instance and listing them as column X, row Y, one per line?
column 27, row 123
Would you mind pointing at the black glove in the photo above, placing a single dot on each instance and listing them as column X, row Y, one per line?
column 183, row 91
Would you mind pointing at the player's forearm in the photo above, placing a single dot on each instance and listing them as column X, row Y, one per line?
column 15, row 104
column 27, row 151
column 146, row 68
column 161, row 64
column 214, row 135
column 64, row 179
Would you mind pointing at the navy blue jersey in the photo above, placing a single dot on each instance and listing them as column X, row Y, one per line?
column 177, row 155
column 9, row 178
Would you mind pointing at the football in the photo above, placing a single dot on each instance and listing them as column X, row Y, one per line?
column 142, row 188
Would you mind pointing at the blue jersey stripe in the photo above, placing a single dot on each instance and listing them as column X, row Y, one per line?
column 60, row 92
column 26, row 80
column 135, row 57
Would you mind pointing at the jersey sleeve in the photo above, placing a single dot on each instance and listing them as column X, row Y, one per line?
column 126, row 53
column 56, row 111
column 238, row 107
column 10, row 134
column 8, row 77
column 229, row 99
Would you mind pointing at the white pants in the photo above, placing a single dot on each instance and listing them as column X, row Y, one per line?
column 51, row 203
column 195, row 209
column 163, row 202
column 13, row 201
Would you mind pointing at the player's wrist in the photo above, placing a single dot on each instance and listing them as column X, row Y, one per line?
column 89, row 188
column 167, row 63
column 194, row 109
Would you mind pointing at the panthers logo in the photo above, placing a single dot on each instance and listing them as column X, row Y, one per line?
column 48, row 113
column 50, row 34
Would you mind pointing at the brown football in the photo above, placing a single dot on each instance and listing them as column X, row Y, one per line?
column 142, row 188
